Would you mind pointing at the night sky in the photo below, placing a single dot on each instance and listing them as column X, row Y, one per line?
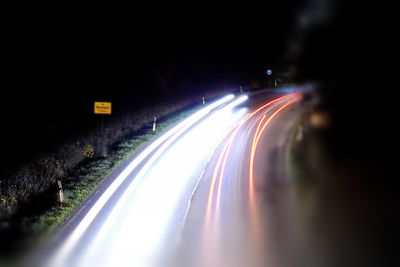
column 146, row 48
column 58, row 59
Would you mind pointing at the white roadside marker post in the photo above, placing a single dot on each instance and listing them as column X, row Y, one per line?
column 60, row 192
column 204, row 101
column 154, row 124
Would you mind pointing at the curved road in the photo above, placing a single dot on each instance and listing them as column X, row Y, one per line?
column 203, row 194
column 236, row 214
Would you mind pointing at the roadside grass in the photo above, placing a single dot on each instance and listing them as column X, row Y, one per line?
column 306, row 166
column 298, row 166
column 336, row 197
column 83, row 180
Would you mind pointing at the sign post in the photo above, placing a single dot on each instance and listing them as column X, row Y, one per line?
column 269, row 73
column 102, row 108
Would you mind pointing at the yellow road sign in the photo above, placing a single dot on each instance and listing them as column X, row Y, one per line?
column 102, row 107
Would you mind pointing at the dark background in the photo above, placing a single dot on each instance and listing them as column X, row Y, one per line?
column 58, row 59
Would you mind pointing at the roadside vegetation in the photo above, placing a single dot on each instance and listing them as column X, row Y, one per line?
column 30, row 207
column 340, row 208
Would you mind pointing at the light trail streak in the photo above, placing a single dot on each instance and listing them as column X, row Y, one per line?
column 257, row 137
column 255, row 218
column 211, row 246
column 63, row 252
column 219, row 169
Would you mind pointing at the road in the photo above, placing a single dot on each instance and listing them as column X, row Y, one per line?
column 239, row 215
column 194, row 197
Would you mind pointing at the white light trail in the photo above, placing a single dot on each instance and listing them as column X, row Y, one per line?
column 63, row 253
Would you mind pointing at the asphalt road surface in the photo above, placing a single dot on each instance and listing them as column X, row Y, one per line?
column 209, row 192
column 239, row 215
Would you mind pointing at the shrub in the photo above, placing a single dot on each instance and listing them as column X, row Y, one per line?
column 70, row 155
column 88, row 151
column 43, row 173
